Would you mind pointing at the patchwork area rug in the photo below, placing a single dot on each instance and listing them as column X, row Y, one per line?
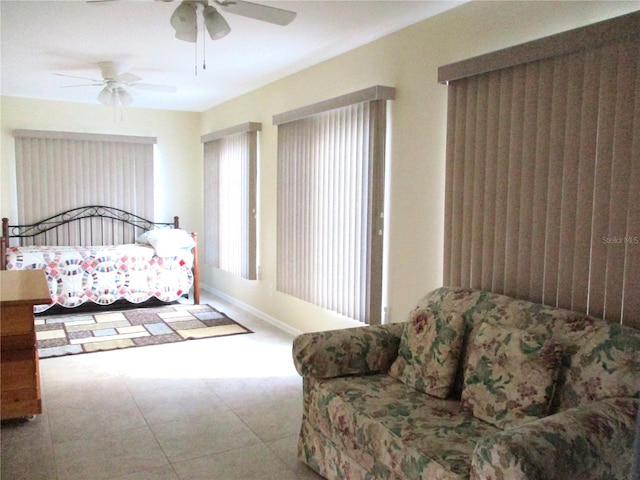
column 66, row 334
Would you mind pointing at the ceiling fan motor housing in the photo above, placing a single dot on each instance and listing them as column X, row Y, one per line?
column 110, row 69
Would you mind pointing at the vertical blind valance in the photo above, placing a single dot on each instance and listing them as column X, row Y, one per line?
column 330, row 204
column 377, row 92
column 230, row 172
column 543, row 181
column 56, row 172
column 97, row 137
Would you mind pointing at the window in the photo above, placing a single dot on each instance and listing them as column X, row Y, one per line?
column 230, row 170
column 57, row 171
column 543, row 171
column 331, row 163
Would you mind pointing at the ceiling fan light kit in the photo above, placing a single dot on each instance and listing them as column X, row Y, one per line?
column 185, row 21
column 217, row 26
column 115, row 96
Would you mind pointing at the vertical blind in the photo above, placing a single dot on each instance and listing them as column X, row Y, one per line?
column 230, row 166
column 330, row 204
column 57, row 171
column 543, row 181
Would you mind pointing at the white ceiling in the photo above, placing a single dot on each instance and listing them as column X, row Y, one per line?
column 40, row 38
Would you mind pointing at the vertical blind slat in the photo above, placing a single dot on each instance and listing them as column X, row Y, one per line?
column 603, row 185
column 458, row 186
column 490, row 189
column 525, row 234
column 621, row 151
column 552, row 227
column 513, row 184
column 586, row 173
column 503, row 142
column 449, row 194
column 479, row 178
column 467, row 178
column 569, row 161
column 631, row 299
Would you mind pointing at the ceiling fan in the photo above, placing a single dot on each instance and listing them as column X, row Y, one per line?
column 185, row 18
column 115, row 84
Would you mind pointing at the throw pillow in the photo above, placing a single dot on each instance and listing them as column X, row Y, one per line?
column 429, row 352
column 167, row 242
column 510, row 375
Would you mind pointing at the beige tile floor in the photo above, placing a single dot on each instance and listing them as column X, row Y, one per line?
column 224, row 409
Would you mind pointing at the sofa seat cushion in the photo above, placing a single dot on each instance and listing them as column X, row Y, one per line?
column 377, row 419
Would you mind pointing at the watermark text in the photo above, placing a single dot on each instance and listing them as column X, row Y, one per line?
column 621, row 240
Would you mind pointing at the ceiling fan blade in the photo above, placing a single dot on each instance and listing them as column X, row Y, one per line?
column 155, row 88
column 83, row 85
column 127, row 78
column 99, row 82
column 274, row 15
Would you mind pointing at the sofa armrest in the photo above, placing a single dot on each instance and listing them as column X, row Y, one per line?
column 351, row 351
column 593, row 441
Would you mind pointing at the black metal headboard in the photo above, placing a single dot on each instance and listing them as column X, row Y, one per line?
column 83, row 226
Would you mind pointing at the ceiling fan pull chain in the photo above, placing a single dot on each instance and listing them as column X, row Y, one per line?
column 195, row 43
column 204, row 45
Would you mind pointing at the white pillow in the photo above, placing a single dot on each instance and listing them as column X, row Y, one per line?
column 167, row 242
column 144, row 237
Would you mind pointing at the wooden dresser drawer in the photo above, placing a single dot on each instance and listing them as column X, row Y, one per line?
column 16, row 319
column 18, row 342
column 19, row 370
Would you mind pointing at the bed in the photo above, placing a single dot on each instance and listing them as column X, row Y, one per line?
column 101, row 255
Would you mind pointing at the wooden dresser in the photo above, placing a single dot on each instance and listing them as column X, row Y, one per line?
column 20, row 290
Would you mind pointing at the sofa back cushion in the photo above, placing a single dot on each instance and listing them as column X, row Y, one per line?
column 511, row 375
column 600, row 360
column 429, row 352
column 604, row 364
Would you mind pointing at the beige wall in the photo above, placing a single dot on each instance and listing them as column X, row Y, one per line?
column 407, row 60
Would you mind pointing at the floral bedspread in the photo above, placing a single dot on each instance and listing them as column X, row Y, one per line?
column 104, row 274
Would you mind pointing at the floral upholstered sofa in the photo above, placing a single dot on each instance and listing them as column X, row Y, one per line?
column 474, row 385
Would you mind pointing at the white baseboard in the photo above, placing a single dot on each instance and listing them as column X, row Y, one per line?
column 254, row 311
